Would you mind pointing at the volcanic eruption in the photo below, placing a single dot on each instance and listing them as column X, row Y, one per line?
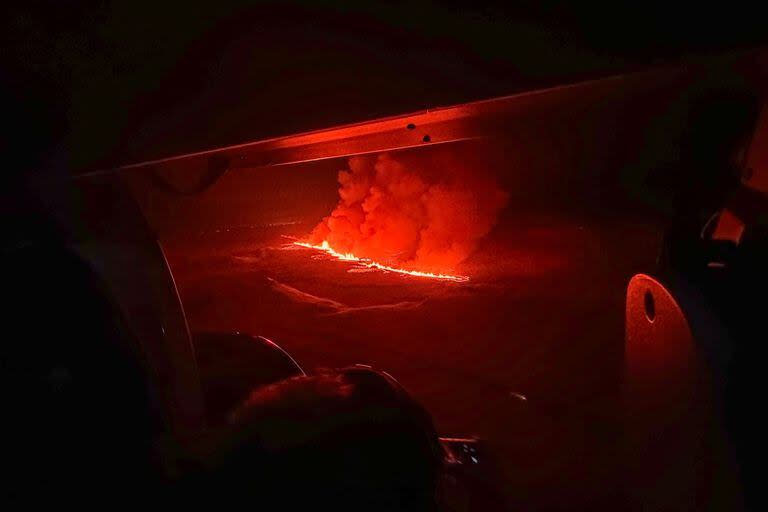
column 408, row 215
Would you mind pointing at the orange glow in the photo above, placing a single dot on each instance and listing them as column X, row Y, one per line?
column 364, row 262
column 421, row 214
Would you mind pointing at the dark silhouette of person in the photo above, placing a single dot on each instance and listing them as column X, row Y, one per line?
column 349, row 439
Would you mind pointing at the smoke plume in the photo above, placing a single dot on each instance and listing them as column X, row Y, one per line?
column 426, row 215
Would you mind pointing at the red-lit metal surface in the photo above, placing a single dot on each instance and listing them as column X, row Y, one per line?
column 660, row 351
column 440, row 125
column 677, row 457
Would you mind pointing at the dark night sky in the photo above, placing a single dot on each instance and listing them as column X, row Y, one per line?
column 90, row 84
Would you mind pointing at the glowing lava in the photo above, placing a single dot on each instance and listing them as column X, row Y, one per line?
column 325, row 247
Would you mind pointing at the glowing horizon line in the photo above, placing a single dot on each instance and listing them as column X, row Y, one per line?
column 326, row 248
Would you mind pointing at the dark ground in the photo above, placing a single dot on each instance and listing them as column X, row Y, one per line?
column 542, row 317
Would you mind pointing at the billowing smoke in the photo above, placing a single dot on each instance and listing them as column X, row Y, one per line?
column 426, row 216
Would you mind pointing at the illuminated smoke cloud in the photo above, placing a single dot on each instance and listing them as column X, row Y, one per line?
column 425, row 216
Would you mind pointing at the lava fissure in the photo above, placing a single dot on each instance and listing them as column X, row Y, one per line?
column 365, row 262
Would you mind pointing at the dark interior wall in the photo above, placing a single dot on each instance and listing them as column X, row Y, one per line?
column 94, row 83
